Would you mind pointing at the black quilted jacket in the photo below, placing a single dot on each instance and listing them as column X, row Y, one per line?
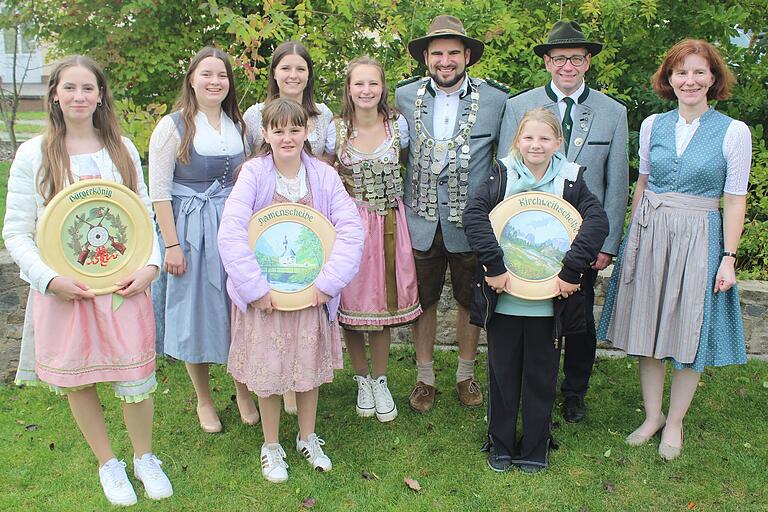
column 569, row 313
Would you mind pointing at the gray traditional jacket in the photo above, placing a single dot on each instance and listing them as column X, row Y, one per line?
column 483, row 138
column 598, row 142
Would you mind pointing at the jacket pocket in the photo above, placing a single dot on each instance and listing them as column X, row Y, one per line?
column 483, row 301
column 569, row 314
column 598, row 143
column 482, row 136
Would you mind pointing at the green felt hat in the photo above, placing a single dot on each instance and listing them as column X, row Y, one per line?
column 567, row 34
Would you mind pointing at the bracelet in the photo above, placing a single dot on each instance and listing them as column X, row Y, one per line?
column 729, row 253
column 174, row 245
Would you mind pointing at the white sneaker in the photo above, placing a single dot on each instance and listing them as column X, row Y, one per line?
column 273, row 465
column 365, row 403
column 114, row 481
column 312, row 450
column 385, row 405
column 147, row 470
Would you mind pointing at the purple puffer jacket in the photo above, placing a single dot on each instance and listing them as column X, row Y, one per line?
column 253, row 191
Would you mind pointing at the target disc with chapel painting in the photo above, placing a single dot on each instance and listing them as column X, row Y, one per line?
column 535, row 230
column 96, row 232
column 291, row 243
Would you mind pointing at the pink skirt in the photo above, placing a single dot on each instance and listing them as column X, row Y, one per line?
column 384, row 291
column 84, row 342
column 272, row 353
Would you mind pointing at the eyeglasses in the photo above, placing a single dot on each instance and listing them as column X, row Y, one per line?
column 560, row 60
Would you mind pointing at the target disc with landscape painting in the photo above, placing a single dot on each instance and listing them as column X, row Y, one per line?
column 96, row 232
column 535, row 230
column 291, row 243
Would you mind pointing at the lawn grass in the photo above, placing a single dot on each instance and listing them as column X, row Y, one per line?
column 31, row 115
column 25, row 128
column 723, row 467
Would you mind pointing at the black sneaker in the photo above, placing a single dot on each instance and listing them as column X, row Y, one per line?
column 574, row 409
column 497, row 462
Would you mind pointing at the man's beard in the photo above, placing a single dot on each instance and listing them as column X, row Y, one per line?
column 450, row 83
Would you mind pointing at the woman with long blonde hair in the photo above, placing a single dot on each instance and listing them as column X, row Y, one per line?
column 373, row 145
column 72, row 338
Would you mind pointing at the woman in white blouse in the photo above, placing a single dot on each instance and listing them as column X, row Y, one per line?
column 672, row 296
column 193, row 154
column 291, row 76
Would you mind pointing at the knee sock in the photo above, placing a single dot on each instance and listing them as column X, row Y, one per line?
column 465, row 370
column 425, row 373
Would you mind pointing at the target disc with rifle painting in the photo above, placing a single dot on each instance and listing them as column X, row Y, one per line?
column 96, row 232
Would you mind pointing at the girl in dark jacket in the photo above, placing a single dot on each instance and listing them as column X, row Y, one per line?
column 524, row 336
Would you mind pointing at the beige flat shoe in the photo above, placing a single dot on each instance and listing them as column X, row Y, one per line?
column 669, row 452
column 209, row 420
column 249, row 417
column 635, row 439
column 249, row 413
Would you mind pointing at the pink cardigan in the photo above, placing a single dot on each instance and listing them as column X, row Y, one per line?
column 253, row 191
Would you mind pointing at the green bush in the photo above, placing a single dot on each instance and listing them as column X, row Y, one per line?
column 138, row 122
column 145, row 46
column 753, row 250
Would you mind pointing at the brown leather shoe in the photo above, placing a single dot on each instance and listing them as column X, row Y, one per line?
column 422, row 397
column 469, row 393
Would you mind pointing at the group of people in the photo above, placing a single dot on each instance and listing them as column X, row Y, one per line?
column 465, row 145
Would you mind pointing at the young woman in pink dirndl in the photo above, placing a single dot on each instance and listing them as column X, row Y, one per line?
column 373, row 140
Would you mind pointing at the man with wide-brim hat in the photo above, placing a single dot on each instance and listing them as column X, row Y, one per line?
column 594, row 136
column 447, row 27
column 453, row 121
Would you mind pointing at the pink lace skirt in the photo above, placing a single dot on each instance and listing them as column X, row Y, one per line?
column 272, row 353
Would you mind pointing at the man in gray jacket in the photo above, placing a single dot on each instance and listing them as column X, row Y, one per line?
column 594, row 136
column 453, row 120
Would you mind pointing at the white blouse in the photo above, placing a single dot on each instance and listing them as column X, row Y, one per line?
column 737, row 149
column 402, row 130
column 322, row 138
column 292, row 188
column 164, row 149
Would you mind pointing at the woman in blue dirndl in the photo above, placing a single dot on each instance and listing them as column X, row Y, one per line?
column 193, row 155
column 672, row 295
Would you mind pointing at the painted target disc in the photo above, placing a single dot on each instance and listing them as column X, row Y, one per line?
column 535, row 230
column 98, row 236
column 97, row 232
column 291, row 243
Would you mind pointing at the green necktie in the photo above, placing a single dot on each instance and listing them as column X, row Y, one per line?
column 567, row 123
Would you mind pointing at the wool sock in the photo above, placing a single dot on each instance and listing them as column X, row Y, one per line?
column 465, row 370
column 425, row 373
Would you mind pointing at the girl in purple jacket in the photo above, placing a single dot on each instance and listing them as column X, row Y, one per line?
column 272, row 351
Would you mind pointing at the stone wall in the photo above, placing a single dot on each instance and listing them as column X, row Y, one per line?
column 13, row 299
column 13, row 302
column 754, row 311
